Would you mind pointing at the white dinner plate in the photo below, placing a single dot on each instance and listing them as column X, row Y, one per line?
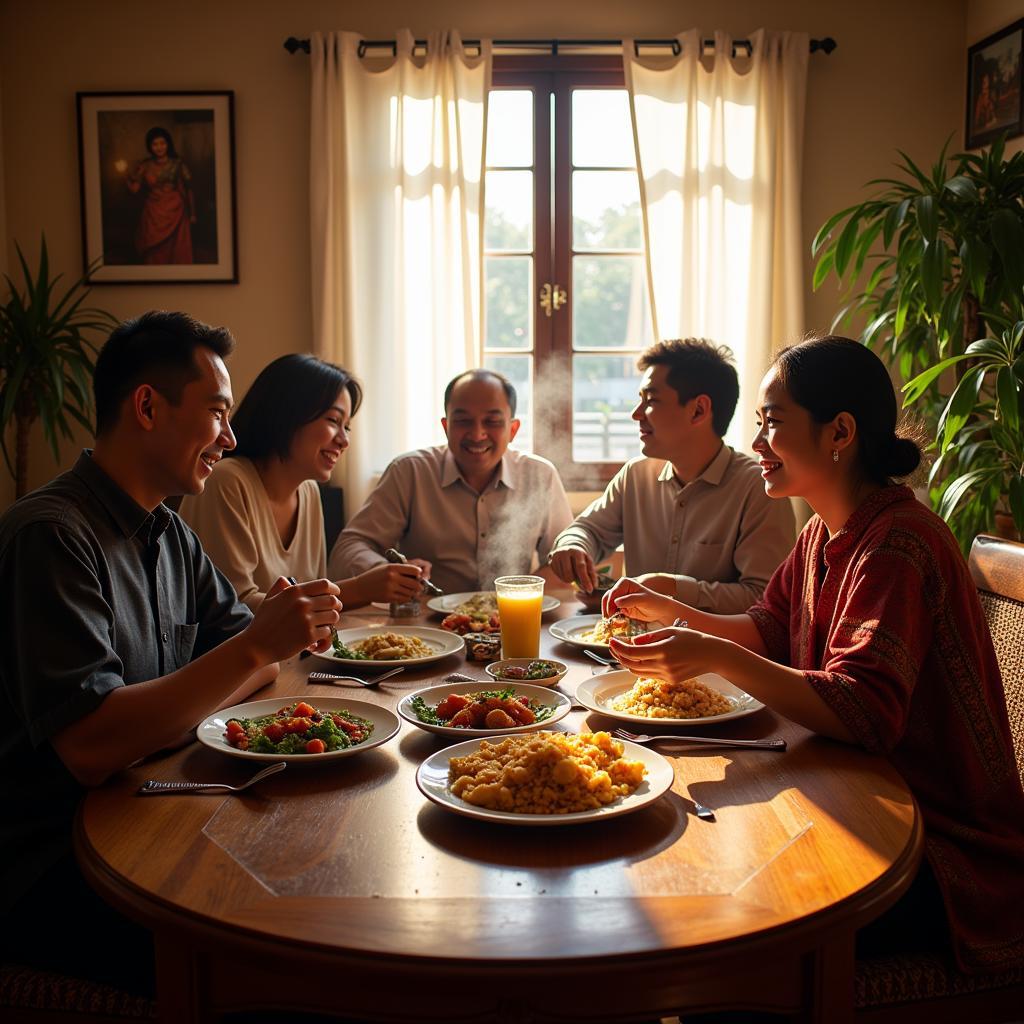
column 441, row 642
column 570, row 631
column 385, row 724
column 432, row 779
column 599, row 691
column 445, row 604
column 433, row 694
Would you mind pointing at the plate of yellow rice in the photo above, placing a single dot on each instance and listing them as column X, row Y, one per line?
column 545, row 778
column 705, row 699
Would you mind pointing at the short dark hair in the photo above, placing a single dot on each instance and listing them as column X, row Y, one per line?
column 157, row 132
column 482, row 374
column 290, row 392
column 156, row 348
column 698, row 367
column 830, row 375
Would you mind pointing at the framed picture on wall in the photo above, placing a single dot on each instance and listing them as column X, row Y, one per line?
column 994, row 95
column 157, row 180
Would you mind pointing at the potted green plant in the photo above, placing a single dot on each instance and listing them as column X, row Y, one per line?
column 939, row 302
column 980, row 436
column 46, row 361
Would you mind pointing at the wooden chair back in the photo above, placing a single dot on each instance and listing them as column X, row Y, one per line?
column 997, row 567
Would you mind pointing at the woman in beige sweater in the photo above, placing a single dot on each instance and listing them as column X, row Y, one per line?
column 260, row 516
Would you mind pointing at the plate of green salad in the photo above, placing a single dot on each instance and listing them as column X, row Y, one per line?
column 483, row 708
column 297, row 729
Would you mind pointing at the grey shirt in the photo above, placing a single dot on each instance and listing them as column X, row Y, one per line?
column 97, row 593
column 719, row 535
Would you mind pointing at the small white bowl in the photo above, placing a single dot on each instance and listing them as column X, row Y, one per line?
column 496, row 666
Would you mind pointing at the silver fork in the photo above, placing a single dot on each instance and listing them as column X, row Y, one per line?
column 370, row 684
column 703, row 812
column 704, row 741
column 152, row 787
column 602, row 659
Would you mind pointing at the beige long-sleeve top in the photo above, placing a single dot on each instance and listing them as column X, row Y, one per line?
column 235, row 524
column 423, row 507
column 719, row 535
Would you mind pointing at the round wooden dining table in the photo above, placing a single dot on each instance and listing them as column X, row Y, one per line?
column 336, row 887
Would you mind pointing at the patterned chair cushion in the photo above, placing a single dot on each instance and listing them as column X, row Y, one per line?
column 25, row 988
column 1006, row 622
column 912, row 977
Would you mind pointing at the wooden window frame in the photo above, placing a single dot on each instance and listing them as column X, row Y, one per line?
column 552, row 336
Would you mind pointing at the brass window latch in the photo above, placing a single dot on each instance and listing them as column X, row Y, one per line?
column 552, row 298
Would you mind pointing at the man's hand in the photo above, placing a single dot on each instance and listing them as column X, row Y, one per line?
column 630, row 597
column 574, row 565
column 292, row 618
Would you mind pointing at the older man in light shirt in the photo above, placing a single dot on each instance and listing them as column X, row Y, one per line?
column 467, row 511
column 691, row 513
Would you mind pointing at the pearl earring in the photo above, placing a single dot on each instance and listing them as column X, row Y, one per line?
column 835, row 454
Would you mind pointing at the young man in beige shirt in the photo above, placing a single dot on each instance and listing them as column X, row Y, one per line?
column 691, row 513
column 467, row 511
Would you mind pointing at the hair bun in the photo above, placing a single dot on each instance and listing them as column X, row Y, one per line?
column 903, row 457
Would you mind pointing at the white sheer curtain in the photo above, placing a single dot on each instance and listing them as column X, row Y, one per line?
column 719, row 153
column 397, row 207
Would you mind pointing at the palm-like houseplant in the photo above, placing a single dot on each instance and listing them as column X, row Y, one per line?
column 941, row 302
column 46, row 361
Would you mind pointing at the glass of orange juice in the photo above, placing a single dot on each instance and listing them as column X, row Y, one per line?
column 519, row 606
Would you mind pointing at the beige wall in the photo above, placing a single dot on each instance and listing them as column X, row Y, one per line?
column 987, row 16
column 896, row 80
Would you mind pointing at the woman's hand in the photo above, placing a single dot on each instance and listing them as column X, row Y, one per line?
column 632, row 598
column 671, row 654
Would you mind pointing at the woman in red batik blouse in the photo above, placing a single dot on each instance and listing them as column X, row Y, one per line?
column 871, row 632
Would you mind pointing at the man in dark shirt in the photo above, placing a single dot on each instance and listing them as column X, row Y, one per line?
column 119, row 634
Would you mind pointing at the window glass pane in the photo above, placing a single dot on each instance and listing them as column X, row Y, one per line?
column 519, row 370
column 510, row 128
column 508, row 221
column 606, row 210
column 508, row 310
column 602, row 132
column 604, row 392
column 609, row 302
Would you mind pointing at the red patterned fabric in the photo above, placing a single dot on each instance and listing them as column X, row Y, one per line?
column 887, row 625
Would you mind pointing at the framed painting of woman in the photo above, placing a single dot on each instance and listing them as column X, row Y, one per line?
column 157, row 179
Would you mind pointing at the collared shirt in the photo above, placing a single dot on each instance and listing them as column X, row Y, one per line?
column 893, row 638
column 98, row 593
column 424, row 507
column 720, row 535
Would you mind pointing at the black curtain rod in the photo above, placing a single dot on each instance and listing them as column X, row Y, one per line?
column 551, row 46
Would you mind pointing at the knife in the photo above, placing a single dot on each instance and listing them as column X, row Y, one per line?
column 397, row 558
